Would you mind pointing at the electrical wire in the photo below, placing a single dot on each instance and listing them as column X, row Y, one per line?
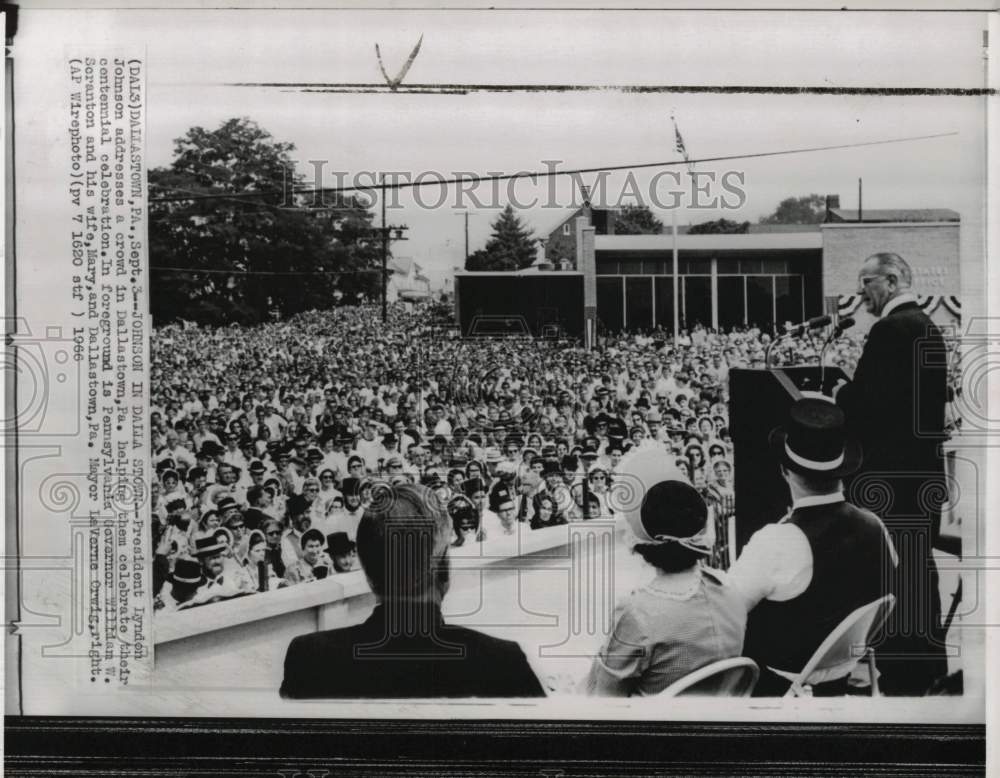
column 549, row 173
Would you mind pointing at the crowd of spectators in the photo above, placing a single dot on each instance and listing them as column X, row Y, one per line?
column 270, row 441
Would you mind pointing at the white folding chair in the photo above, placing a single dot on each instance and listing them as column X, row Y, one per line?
column 847, row 645
column 734, row 677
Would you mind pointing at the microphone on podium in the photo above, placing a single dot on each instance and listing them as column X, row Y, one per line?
column 812, row 324
column 796, row 332
column 843, row 324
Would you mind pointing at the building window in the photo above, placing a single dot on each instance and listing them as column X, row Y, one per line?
column 566, row 228
column 610, row 303
column 638, row 303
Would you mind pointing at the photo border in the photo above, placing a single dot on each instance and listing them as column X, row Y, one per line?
column 250, row 747
column 557, row 749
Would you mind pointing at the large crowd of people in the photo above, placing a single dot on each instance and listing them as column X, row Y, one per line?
column 282, row 453
column 269, row 442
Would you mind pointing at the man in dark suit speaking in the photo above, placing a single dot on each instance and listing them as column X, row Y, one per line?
column 405, row 649
column 895, row 406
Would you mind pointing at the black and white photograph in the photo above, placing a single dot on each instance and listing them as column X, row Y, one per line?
column 457, row 363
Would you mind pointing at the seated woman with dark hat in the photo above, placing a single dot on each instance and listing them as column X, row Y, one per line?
column 686, row 617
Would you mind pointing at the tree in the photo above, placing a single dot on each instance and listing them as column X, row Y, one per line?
column 719, row 226
column 637, row 220
column 810, row 209
column 510, row 247
column 219, row 255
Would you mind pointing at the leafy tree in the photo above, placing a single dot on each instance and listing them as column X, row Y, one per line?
column 719, row 226
column 810, row 209
column 637, row 220
column 510, row 247
column 219, row 255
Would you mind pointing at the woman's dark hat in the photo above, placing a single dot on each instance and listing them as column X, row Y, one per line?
column 814, row 441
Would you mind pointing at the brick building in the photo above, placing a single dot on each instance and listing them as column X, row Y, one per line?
column 560, row 245
column 771, row 275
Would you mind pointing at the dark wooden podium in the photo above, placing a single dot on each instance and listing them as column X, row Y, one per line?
column 759, row 400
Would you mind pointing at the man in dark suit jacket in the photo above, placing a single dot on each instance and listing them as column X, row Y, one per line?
column 405, row 649
column 895, row 405
column 801, row 576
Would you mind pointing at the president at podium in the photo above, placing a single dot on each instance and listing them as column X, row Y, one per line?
column 895, row 405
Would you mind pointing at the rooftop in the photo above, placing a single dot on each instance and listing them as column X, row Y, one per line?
column 773, row 241
column 894, row 215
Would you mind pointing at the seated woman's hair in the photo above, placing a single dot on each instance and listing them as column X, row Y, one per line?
column 402, row 542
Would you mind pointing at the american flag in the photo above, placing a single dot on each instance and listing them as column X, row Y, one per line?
column 679, row 145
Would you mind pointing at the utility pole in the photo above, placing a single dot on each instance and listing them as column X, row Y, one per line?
column 385, row 255
column 384, row 231
column 466, row 215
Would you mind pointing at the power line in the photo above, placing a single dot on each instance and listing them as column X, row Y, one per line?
column 472, row 178
column 192, row 270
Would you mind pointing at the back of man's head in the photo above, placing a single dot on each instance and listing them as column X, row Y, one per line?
column 402, row 543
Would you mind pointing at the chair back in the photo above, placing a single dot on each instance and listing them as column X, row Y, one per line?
column 734, row 677
column 847, row 644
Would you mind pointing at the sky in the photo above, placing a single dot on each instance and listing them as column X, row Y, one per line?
column 195, row 58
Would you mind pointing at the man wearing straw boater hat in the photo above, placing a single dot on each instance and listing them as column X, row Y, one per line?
column 801, row 576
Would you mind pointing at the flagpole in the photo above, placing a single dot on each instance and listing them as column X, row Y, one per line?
column 680, row 149
column 677, row 313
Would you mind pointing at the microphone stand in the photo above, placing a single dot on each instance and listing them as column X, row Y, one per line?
column 771, row 345
column 822, row 359
column 835, row 333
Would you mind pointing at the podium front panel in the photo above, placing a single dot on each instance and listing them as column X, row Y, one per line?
column 758, row 402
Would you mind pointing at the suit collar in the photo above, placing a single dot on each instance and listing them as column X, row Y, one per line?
column 812, row 501
column 898, row 301
column 412, row 611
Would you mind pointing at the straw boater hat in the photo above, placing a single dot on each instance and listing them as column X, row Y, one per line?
column 208, row 546
column 814, row 441
column 187, row 572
